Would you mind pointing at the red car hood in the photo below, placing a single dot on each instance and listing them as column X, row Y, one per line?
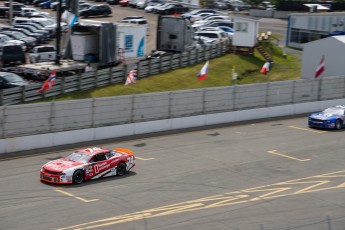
column 60, row 165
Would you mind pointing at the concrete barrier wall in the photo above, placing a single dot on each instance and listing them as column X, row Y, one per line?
column 92, row 134
column 332, row 88
column 219, row 99
column 306, row 91
column 280, row 93
column 32, row 119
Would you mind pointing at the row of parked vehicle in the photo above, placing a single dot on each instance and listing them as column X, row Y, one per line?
column 210, row 25
column 86, row 9
column 27, row 37
column 156, row 6
column 214, row 25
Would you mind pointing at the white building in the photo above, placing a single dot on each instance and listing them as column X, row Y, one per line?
column 332, row 49
column 307, row 27
column 245, row 31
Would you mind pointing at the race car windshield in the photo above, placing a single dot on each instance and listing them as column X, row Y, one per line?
column 79, row 157
column 334, row 111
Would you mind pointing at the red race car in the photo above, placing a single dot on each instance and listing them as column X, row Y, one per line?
column 88, row 164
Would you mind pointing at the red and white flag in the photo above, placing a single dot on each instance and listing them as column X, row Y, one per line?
column 320, row 68
column 49, row 83
column 132, row 76
column 203, row 72
column 265, row 68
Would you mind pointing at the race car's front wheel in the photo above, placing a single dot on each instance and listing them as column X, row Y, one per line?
column 338, row 124
column 121, row 169
column 78, row 176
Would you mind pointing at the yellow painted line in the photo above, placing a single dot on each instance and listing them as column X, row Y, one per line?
column 309, row 130
column 76, row 197
column 329, row 181
column 283, row 155
column 144, row 159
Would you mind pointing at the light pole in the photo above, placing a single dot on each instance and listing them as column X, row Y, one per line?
column 10, row 13
column 58, row 33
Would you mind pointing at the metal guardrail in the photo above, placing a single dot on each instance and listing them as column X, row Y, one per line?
column 113, row 75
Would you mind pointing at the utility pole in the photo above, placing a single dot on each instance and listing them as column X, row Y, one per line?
column 58, row 33
column 10, row 13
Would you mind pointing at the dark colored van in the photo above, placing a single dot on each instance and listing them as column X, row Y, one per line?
column 11, row 55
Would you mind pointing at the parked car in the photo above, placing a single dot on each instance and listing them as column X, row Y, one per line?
column 132, row 17
column 10, row 80
column 96, row 10
column 51, row 23
column 42, row 53
column 11, row 55
column 141, row 4
column 330, row 118
column 85, row 5
column 54, row 5
column 209, row 18
column 26, row 32
column 265, row 5
column 123, row 3
column 4, row 11
column 158, row 8
column 5, row 39
column 132, row 3
column 173, row 9
column 156, row 54
column 149, row 8
column 238, row 6
column 40, row 28
column 46, row 4
column 25, row 11
column 190, row 14
column 45, row 34
column 225, row 29
column 88, row 164
column 37, row 2
column 16, row 6
column 38, row 15
column 219, row 35
column 204, row 41
column 16, row 10
column 201, row 16
column 113, row 2
column 29, row 41
column 214, row 23
column 220, row 5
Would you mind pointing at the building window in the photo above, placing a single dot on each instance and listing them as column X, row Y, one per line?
column 304, row 37
column 294, row 36
column 241, row 27
column 315, row 36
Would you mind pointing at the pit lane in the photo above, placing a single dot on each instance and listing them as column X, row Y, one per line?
column 219, row 178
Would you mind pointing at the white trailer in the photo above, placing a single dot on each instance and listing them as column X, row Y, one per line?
column 131, row 39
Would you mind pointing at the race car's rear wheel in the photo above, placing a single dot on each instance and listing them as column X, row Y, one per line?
column 338, row 124
column 78, row 176
column 121, row 169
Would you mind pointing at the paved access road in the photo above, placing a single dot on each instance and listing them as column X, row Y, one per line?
column 280, row 174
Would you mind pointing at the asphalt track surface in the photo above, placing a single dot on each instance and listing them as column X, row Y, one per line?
column 274, row 174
